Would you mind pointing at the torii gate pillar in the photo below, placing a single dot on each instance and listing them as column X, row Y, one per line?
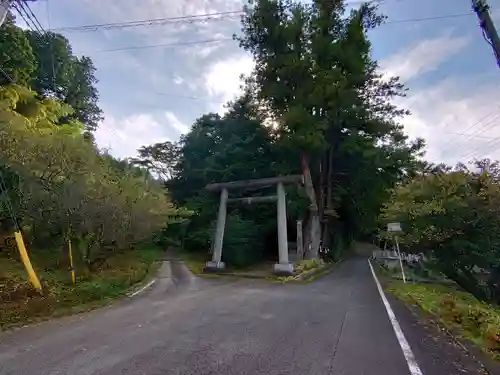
column 283, row 266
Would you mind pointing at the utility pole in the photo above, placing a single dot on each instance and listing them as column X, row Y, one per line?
column 4, row 8
column 490, row 33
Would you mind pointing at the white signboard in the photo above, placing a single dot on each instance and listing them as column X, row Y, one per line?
column 394, row 227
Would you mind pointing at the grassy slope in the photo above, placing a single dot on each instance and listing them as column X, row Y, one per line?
column 20, row 303
column 458, row 311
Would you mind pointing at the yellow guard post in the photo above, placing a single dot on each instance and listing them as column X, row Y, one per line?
column 73, row 276
column 26, row 261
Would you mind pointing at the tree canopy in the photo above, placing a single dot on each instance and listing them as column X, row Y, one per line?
column 452, row 215
column 60, row 185
column 45, row 62
column 17, row 56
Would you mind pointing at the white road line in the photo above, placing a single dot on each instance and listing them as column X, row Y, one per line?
column 409, row 356
column 143, row 288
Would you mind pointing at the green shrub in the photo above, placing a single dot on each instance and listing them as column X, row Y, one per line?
column 241, row 242
column 307, row 265
column 20, row 302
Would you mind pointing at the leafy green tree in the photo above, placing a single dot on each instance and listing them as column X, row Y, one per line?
column 453, row 216
column 62, row 186
column 236, row 146
column 160, row 158
column 16, row 54
column 69, row 78
column 82, row 94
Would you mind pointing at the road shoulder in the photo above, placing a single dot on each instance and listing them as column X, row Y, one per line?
column 435, row 351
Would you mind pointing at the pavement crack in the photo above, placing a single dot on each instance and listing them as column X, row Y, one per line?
column 342, row 324
column 338, row 338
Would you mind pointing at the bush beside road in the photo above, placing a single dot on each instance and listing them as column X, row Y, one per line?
column 21, row 303
column 461, row 314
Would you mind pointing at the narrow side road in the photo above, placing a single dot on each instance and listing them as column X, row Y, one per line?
column 336, row 325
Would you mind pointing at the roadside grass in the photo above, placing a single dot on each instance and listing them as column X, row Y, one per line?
column 20, row 303
column 305, row 271
column 461, row 313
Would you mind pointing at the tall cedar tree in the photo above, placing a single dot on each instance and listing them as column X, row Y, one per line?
column 315, row 76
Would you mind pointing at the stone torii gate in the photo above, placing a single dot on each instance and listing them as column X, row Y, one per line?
column 284, row 266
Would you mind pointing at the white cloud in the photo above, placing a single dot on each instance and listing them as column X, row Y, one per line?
column 203, row 51
column 178, row 80
column 222, row 79
column 176, row 123
column 458, row 124
column 423, row 57
column 123, row 136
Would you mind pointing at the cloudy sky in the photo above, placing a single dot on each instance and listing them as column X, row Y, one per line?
column 174, row 73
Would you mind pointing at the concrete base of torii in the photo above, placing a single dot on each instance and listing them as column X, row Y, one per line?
column 212, row 266
column 283, row 269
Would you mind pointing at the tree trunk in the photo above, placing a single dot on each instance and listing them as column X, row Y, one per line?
column 329, row 198
column 64, row 256
column 321, row 205
column 307, row 235
column 313, row 225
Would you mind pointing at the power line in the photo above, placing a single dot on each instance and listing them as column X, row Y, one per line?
column 25, row 19
column 484, row 128
column 24, row 10
column 47, row 8
column 24, row 4
column 431, row 18
column 472, row 126
column 154, row 22
column 217, row 17
column 27, row 15
column 471, row 135
column 228, row 39
column 172, row 20
column 165, row 45
column 492, row 144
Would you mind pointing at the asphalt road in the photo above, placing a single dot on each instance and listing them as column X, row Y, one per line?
column 183, row 325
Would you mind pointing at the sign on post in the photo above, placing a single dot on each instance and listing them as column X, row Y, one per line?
column 394, row 227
